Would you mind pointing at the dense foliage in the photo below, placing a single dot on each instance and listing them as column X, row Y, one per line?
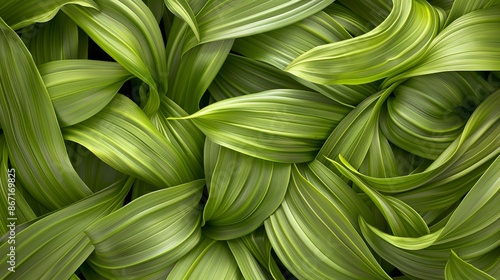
column 250, row 139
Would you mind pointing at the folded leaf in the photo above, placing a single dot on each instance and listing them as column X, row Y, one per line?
column 37, row 151
column 122, row 136
column 470, row 43
column 456, row 268
column 127, row 30
column 243, row 193
column 222, row 19
column 278, row 125
column 314, row 239
column 147, row 236
column 393, row 46
column 57, row 240
column 81, row 88
column 55, row 40
column 21, row 14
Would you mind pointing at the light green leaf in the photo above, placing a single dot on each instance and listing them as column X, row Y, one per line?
column 147, row 236
column 403, row 220
column 349, row 137
column 280, row 47
column 481, row 133
column 57, row 240
column 183, row 134
column 248, row 265
column 210, row 260
column 462, row 7
column 123, row 137
column 314, row 239
column 223, row 19
column 260, row 247
column 469, row 43
column 21, row 14
column 81, row 88
column 243, row 193
column 427, row 113
column 393, row 46
column 278, row 125
column 46, row 170
column 181, row 9
column 456, row 268
column 129, row 33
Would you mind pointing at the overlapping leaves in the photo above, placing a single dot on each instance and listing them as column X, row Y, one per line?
column 337, row 140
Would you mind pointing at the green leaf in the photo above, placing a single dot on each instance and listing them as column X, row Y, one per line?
column 403, row 220
column 314, row 239
column 243, row 193
column 37, row 151
column 11, row 194
column 183, row 134
column 57, row 39
column 390, row 48
column 81, row 88
column 427, row 113
column 21, row 14
column 181, row 9
column 456, row 268
column 278, row 125
column 147, row 236
column 223, row 19
column 248, row 265
column 480, row 133
column 469, row 43
column 57, row 240
column 210, row 259
column 462, row 7
column 240, row 75
column 129, row 33
column 122, row 136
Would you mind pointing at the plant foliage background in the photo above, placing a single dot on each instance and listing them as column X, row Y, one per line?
column 212, row 139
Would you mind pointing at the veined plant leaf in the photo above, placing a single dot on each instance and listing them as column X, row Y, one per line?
column 278, row 125
column 57, row 239
column 24, row 212
column 37, row 151
column 243, row 193
column 469, row 43
column 210, row 259
column 482, row 125
column 148, row 235
column 462, row 7
column 21, row 14
column 314, row 239
column 223, row 19
column 393, row 46
column 122, row 136
column 128, row 32
column 456, row 268
column 57, row 39
column 81, row 88
column 240, row 75
column 183, row 10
